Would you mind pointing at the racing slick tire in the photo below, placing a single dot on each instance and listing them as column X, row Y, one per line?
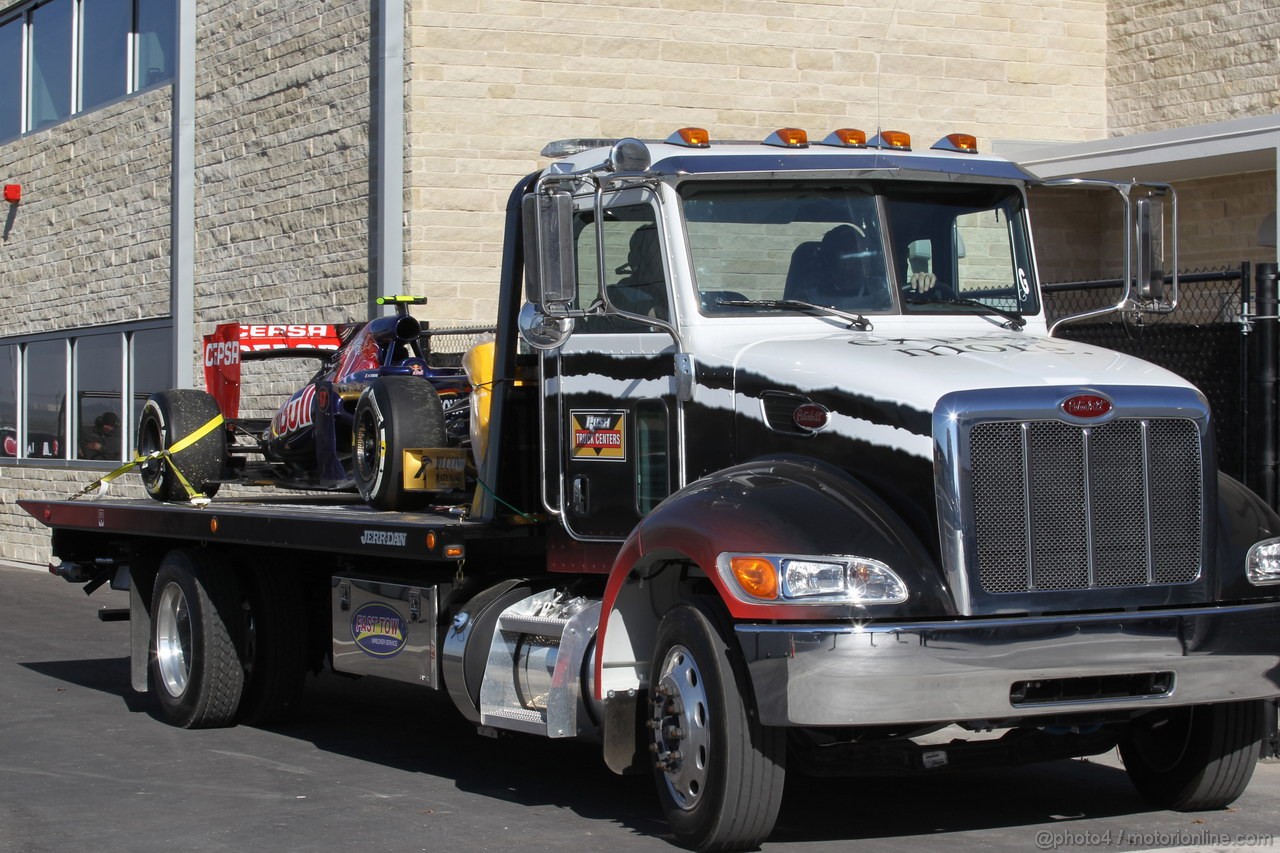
column 394, row 413
column 167, row 418
column 1194, row 758
column 196, row 672
column 719, row 772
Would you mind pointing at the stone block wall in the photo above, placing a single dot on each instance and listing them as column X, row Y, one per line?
column 87, row 245
column 282, row 162
column 89, row 242
column 1221, row 217
column 1079, row 234
column 1175, row 63
column 489, row 83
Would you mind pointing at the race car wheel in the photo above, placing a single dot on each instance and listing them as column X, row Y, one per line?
column 196, row 673
column 394, row 413
column 167, row 418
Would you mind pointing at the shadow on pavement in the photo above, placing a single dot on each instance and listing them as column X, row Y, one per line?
column 418, row 731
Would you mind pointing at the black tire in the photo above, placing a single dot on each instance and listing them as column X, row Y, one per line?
column 167, row 418
column 393, row 414
column 1195, row 758
column 275, row 646
column 719, row 773
column 196, row 673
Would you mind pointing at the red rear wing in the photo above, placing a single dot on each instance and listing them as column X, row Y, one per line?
column 232, row 343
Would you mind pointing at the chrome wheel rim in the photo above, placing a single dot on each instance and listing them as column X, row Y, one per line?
column 173, row 640
column 682, row 739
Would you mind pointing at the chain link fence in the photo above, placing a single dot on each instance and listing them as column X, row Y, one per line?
column 1203, row 340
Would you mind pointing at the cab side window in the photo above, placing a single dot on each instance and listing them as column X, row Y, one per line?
column 635, row 278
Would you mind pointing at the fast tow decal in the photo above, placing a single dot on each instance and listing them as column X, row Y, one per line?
column 378, row 630
column 598, row 435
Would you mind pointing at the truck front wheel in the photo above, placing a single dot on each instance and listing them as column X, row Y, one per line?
column 719, row 772
column 1195, row 758
column 196, row 673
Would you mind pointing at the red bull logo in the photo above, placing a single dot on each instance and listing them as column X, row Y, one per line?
column 295, row 414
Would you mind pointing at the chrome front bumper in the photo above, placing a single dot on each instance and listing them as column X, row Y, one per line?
column 831, row 675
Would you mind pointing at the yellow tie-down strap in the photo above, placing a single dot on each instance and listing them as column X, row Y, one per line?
column 196, row 498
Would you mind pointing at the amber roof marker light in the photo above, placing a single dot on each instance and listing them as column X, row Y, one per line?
column 894, row 140
column 690, row 137
column 846, row 137
column 788, row 137
column 961, row 143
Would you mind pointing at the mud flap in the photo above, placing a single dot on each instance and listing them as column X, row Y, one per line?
column 139, row 639
column 625, row 752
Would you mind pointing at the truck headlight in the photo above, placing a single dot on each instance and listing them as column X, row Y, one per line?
column 811, row 580
column 1263, row 563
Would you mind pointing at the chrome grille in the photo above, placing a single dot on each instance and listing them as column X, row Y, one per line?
column 1062, row 507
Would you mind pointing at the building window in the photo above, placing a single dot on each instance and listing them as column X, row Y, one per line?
column 99, row 383
column 10, row 77
column 104, row 55
column 80, row 54
column 156, row 41
column 114, row 372
column 46, row 393
column 8, row 401
column 50, row 70
column 151, row 360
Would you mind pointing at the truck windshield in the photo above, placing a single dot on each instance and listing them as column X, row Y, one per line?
column 871, row 247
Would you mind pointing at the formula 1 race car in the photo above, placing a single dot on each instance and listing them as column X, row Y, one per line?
column 376, row 417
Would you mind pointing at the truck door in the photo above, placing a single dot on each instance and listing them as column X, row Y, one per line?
column 611, row 411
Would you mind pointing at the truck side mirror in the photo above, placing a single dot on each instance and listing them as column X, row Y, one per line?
column 1149, row 215
column 550, row 268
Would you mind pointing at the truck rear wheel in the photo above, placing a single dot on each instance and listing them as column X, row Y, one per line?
column 394, row 413
column 719, row 772
column 275, row 646
column 167, row 418
column 1196, row 758
column 196, row 673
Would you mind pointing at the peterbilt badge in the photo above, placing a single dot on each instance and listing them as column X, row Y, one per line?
column 1086, row 406
column 811, row 416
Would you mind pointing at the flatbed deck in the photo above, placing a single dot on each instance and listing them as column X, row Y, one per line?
column 332, row 525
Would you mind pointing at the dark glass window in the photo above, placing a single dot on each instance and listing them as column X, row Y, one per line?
column 104, row 58
column 635, row 281
column 50, row 90
column 653, row 473
column 157, row 41
column 10, row 78
column 9, row 401
column 46, row 388
column 99, row 397
column 152, row 361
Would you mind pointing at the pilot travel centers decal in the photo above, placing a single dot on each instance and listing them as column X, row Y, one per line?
column 598, row 435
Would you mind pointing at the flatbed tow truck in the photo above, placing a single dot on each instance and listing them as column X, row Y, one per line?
column 783, row 472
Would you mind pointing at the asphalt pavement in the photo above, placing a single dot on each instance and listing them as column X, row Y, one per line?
column 85, row 764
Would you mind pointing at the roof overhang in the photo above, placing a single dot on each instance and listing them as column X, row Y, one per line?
column 1187, row 153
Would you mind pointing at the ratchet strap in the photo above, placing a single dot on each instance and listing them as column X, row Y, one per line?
column 196, row 498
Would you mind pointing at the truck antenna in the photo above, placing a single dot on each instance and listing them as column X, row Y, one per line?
column 884, row 39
